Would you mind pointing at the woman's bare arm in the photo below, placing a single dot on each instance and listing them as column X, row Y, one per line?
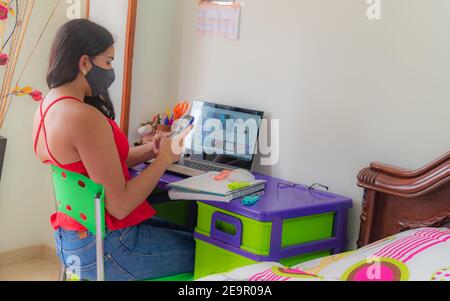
column 94, row 141
column 147, row 152
column 141, row 154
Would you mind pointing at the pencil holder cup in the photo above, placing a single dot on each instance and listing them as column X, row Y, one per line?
column 164, row 128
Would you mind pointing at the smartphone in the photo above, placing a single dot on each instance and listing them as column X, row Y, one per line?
column 182, row 125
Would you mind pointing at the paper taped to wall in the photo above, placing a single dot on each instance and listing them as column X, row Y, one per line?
column 218, row 20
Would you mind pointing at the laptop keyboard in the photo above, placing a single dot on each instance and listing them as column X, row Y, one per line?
column 199, row 166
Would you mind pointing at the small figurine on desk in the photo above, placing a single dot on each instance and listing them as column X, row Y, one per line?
column 161, row 123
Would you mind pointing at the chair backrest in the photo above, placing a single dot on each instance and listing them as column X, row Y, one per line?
column 75, row 196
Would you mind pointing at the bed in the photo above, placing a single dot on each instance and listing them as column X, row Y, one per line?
column 404, row 232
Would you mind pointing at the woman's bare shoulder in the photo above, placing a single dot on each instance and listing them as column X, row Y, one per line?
column 76, row 115
column 87, row 117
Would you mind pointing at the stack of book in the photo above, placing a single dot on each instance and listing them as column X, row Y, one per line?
column 206, row 188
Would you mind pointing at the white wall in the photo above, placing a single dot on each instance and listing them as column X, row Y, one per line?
column 112, row 14
column 156, row 60
column 26, row 194
column 347, row 90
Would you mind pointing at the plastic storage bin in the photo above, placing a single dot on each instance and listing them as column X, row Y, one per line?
column 288, row 225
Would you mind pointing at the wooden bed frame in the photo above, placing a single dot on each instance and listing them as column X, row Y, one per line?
column 397, row 200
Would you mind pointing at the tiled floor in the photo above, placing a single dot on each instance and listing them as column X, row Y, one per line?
column 31, row 270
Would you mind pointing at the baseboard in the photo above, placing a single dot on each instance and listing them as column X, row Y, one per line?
column 35, row 252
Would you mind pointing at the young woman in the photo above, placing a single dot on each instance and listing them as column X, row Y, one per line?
column 74, row 129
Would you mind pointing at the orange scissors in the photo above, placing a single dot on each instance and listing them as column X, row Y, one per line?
column 180, row 110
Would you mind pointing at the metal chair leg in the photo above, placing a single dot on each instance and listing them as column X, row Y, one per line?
column 99, row 242
column 62, row 273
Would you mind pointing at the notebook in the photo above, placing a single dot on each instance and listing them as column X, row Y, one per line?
column 204, row 187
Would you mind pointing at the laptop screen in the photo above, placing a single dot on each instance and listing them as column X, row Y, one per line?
column 224, row 134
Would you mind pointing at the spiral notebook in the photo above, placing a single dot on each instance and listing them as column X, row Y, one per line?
column 205, row 188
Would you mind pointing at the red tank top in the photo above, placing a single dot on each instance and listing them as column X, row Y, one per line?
column 140, row 214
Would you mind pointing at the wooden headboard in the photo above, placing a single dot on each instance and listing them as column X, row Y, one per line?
column 397, row 199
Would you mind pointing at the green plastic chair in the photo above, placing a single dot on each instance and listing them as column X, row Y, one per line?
column 83, row 200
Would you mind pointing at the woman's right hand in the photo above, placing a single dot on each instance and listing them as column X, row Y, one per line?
column 172, row 149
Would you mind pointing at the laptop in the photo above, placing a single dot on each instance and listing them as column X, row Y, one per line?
column 223, row 138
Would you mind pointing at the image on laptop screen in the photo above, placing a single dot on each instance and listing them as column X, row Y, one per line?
column 224, row 134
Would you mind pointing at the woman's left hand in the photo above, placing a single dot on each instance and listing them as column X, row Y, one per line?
column 155, row 143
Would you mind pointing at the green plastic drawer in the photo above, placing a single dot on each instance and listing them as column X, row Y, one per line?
column 211, row 259
column 307, row 229
column 256, row 235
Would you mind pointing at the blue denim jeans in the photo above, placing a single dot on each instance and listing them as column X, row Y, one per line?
column 153, row 249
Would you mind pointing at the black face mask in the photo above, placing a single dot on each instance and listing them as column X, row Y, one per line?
column 100, row 79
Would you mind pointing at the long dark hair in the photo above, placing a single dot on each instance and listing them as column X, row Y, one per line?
column 74, row 39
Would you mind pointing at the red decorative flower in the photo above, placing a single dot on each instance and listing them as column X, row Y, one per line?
column 3, row 12
column 36, row 95
column 3, row 59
